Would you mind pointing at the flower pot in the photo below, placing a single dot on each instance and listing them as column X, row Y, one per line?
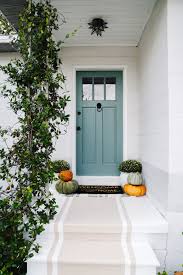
column 123, row 178
column 178, row 273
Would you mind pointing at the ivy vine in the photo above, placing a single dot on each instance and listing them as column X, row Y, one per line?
column 35, row 93
column 5, row 27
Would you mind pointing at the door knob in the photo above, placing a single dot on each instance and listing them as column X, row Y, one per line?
column 99, row 107
column 78, row 128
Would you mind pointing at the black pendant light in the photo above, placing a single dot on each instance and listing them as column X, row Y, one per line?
column 97, row 25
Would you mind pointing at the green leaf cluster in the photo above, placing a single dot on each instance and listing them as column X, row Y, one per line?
column 37, row 96
column 60, row 165
column 130, row 166
column 5, row 27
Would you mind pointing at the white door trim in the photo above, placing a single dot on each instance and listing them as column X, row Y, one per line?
column 123, row 68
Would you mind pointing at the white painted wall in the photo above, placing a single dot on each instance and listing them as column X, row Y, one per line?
column 106, row 58
column 6, row 115
column 161, row 119
column 94, row 57
column 154, row 109
column 175, row 82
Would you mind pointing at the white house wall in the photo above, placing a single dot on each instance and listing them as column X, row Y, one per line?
column 175, row 82
column 95, row 58
column 7, row 117
column 107, row 58
column 154, row 110
column 175, row 71
column 161, row 119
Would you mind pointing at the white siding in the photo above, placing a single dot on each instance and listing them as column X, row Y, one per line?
column 91, row 57
column 175, row 81
column 103, row 56
column 175, row 71
column 154, row 116
column 161, row 119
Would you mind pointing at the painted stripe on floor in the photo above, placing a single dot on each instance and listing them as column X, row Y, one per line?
column 126, row 238
column 123, row 229
column 60, row 244
column 58, row 236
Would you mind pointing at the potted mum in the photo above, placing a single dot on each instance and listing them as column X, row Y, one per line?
column 58, row 166
column 128, row 166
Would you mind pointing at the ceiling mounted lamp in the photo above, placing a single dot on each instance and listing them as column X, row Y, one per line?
column 98, row 25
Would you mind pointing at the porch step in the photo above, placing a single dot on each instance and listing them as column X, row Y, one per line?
column 99, row 258
column 101, row 235
column 109, row 217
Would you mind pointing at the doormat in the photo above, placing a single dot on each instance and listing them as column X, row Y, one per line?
column 99, row 189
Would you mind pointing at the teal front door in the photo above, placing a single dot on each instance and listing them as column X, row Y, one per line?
column 99, row 124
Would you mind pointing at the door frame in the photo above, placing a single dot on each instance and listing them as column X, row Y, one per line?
column 123, row 69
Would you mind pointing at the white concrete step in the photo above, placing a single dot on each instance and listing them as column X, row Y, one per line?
column 100, row 235
column 94, row 258
column 106, row 218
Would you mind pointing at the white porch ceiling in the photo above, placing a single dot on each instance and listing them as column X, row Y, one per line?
column 126, row 20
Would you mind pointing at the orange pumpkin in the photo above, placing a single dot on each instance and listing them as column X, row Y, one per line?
column 133, row 190
column 66, row 175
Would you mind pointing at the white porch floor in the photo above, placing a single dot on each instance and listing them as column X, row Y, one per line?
column 101, row 235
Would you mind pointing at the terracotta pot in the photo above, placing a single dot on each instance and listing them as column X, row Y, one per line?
column 178, row 273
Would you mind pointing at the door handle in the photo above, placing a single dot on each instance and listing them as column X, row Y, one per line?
column 78, row 128
column 99, row 107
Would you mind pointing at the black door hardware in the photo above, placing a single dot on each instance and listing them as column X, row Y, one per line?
column 99, row 107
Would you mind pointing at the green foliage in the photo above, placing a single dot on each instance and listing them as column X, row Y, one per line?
column 163, row 273
column 130, row 166
column 5, row 27
column 60, row 165
column 35, row 93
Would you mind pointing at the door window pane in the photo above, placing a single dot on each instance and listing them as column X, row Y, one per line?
column 87, row 88
column 110, row 88
column 99, row 88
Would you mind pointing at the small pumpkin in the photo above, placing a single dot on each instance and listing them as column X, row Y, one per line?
column 133, row 190
column 66, row 175
column 135, row 179
column 66, row 187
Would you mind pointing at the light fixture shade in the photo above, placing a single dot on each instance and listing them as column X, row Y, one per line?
column 97, row 25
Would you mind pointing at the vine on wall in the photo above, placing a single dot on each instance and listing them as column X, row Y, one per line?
column 33, row 92
column 5, row 27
